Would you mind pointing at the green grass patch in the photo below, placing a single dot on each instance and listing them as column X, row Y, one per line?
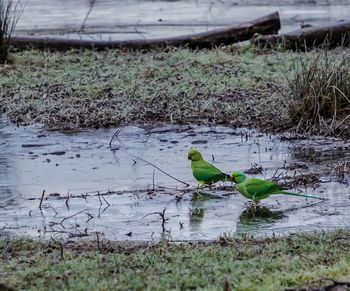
column 243, row 263
column 237, row 86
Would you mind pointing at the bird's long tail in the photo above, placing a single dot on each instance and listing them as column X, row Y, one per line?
column 302, row 195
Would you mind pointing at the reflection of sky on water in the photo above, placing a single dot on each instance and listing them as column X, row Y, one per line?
column 82, row 162
column 130, row 19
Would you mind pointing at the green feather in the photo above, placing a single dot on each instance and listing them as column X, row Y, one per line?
column 302, row 195
column 203, row 171
column 258, row 189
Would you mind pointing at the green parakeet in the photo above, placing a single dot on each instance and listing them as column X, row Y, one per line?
column 204, row 172
column 257, row 189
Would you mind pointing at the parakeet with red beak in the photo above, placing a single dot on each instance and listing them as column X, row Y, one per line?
column 258, row 189
column 203, row 171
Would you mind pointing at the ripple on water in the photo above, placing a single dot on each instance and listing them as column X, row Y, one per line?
column 138, row 194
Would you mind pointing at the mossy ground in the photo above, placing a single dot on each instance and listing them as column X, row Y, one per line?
column 244, row 263
column 235, row 86
column 80, row 88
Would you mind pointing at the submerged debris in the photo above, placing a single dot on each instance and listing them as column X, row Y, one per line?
column 255, row 169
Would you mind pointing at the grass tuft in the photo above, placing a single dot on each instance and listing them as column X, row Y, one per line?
column 320, row 88
column 9, row 16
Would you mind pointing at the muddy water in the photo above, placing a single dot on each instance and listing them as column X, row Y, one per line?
column 130, row 19
column 79, row 165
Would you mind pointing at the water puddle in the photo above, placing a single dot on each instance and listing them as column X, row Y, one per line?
column 138, row 19
column 90, row 188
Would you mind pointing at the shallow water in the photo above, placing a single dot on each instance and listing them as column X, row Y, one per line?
column 71, row 164
column 136, row 19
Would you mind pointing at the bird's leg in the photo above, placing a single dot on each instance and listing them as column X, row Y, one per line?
column 255, row 202
column 253, row 205
column 254, row 197
column 201, row 184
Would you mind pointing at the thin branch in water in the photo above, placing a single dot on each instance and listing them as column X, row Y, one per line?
column 42, row 196
column 114, row 136
column 99, row 197
column 90, row 217
column 105, row 200
column 159, row 169
column 151, row 164
column 162, row 215
column 92, row 3
column 53, row 210
column 68, row 217
column 84, row 196
column 101, row 212
column 66, row 202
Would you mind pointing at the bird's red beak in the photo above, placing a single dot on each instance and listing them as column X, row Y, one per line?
column 189, row 157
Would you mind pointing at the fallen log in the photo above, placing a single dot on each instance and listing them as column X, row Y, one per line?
column 269, row 24
column 330, row 35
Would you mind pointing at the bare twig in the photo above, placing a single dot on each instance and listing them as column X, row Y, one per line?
column 105, row 200
column 98, row 241
column 99, row 197
column 159, row 169
column 41, row 199
column 65, row 218
column 92, row 3
column 162, row 215
column 10, row 12
column 90, row 217
column 61, row 250
column 153, row 165
column 84, row 196
column 101, row 212
column 67, row 201
column 114, row 135
column 53, row 209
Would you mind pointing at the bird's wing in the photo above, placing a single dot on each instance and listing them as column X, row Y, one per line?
column 204, row 171
column 258, row 187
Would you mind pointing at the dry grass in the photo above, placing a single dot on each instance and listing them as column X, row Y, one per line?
column 235, row 86
column 113, row 88
column 340, row 169
column 9, row 16
column 320, row 88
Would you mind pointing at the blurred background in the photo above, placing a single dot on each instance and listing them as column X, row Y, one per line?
column 134, row 19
